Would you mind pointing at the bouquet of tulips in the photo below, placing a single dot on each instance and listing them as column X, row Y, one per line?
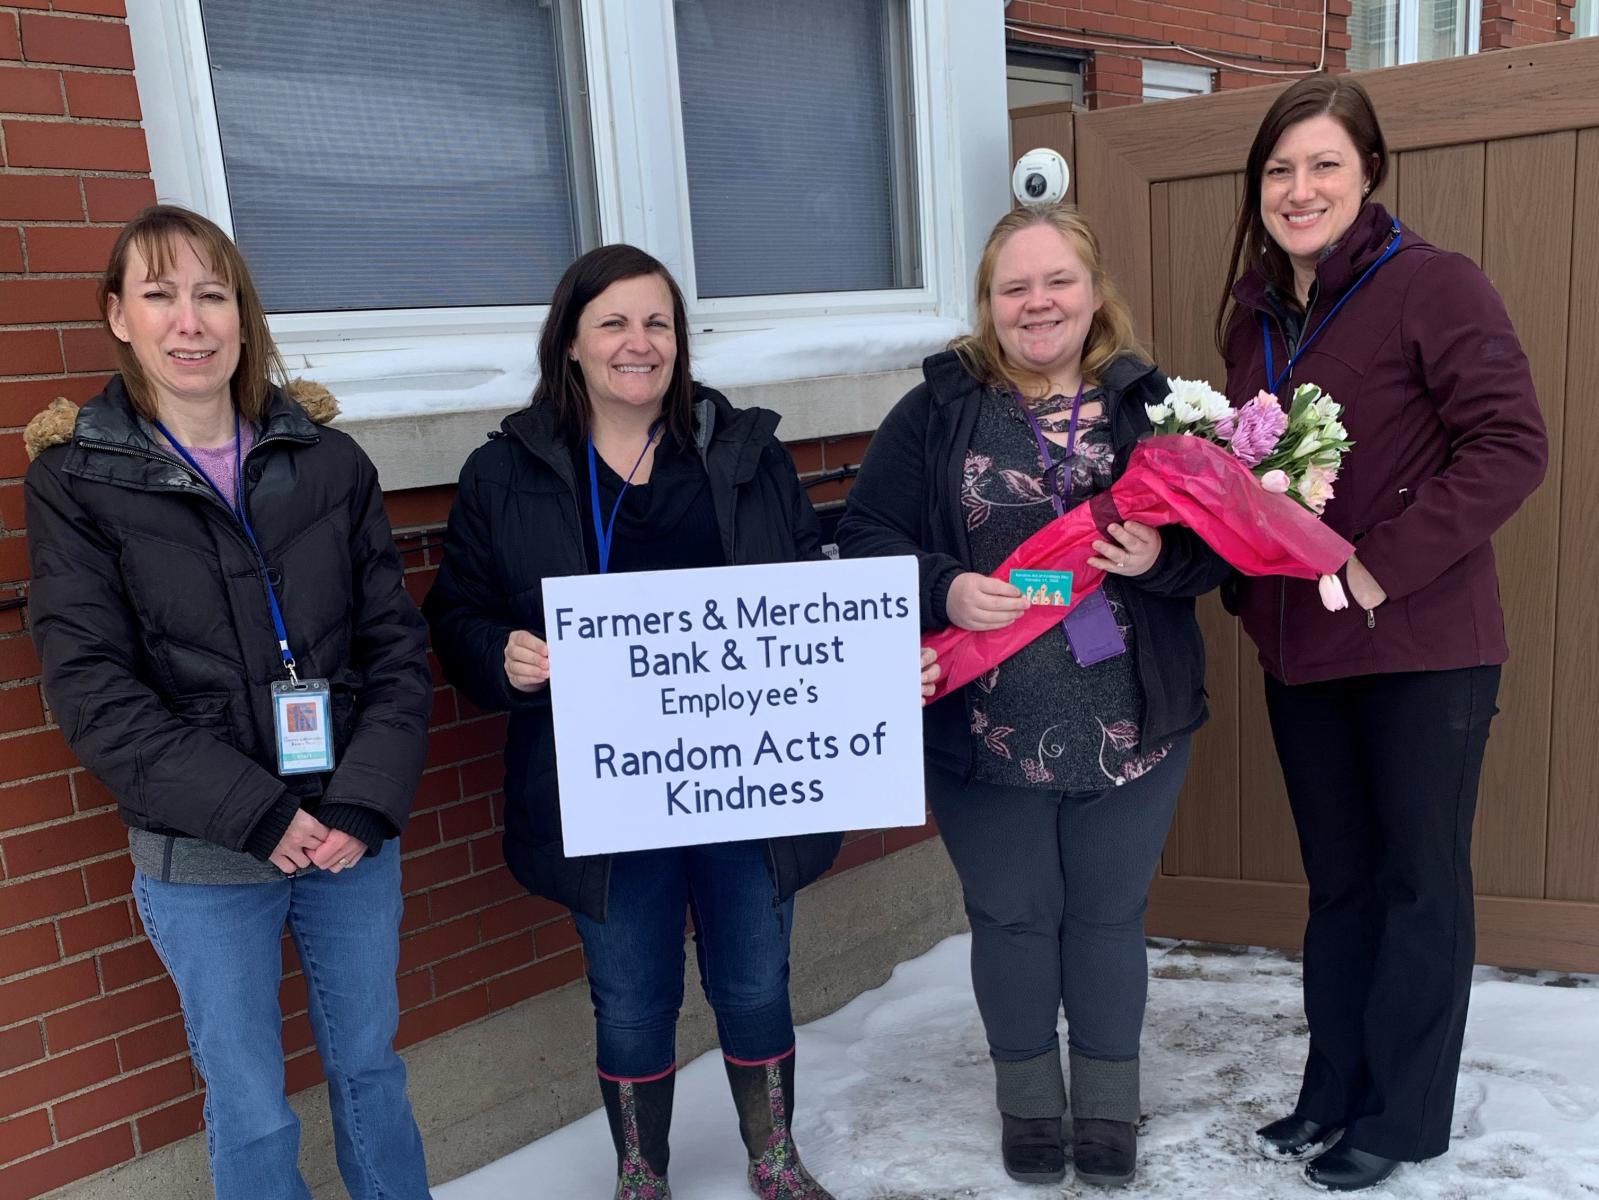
column 1250, row 481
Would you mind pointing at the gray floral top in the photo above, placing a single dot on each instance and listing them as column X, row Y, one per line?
column 1039, row 719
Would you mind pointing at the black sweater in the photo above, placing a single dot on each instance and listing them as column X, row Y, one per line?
column 907, row 500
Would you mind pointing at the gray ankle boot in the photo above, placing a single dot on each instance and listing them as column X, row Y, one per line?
column 1032, row 1100
column 1105, row 1111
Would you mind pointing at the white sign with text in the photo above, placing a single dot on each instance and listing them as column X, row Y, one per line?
column 729, row 703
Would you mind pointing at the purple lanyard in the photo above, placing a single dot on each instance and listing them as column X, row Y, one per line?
column 1051, row 480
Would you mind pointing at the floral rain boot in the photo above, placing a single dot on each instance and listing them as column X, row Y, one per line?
column 763, row 1093
column 640, row 1114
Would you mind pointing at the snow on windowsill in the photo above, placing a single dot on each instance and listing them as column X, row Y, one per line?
column 442, row 374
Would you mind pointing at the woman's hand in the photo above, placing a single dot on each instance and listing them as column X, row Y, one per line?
column 981, row 602
column 527, row 661
column 338, row 851
column 1134, row 552
column 295, row 848
column 930, row 671
column 1363, row 587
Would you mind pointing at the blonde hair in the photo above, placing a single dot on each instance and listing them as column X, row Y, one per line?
column 1110, row 335
column 155, row 233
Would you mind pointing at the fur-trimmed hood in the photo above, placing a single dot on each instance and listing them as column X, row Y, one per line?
column 55, row 424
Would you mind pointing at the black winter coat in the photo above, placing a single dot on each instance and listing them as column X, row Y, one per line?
column 517, row 520
column 908, row 501
column 150, row 614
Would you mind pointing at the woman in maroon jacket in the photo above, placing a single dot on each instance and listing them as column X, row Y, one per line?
column 1380, row 712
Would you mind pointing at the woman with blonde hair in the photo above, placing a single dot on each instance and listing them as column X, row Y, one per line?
column 1054, row 813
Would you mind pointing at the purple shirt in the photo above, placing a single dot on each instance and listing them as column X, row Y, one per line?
column 220, row 464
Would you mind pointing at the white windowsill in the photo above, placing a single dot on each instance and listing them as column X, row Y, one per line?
column 420, row 406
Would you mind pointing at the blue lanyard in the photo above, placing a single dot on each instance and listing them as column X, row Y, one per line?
column 243, row 518
column 1274, row 382
column 603, row 531
column 1050, row 480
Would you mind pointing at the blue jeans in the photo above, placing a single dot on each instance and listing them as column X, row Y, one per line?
column 221, row 944
column 635, row 956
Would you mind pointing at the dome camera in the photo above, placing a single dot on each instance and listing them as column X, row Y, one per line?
column 1041, row 177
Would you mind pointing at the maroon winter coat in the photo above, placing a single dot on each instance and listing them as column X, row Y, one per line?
column 1448, row 442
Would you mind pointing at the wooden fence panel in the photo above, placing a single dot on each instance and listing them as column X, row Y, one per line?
column 1529, row 262
column 1573, row 871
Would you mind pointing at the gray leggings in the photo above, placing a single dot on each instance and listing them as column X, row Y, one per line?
column 1055, row 891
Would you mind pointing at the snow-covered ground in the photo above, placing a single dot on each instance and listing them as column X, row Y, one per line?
column 896, row 1095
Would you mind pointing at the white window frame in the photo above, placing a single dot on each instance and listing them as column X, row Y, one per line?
column 1178, row 79
column 1586, row 18
column 1407, row 43
column 635, row 126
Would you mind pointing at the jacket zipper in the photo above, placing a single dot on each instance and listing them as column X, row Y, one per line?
column 206, row 493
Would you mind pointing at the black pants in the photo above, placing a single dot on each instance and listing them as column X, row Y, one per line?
column 1382, row 774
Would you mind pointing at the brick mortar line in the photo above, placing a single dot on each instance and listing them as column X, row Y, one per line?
column 97, row 18
column 17, row 275
column 124, row 72
column 75, row 172
column 54, row 377
column 75, row 122
column 52, row 326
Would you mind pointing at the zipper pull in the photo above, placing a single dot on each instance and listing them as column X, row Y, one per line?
column 1371, row 618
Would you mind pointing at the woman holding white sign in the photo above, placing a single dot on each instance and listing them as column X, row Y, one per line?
column 1054, row 776
column 623, row 463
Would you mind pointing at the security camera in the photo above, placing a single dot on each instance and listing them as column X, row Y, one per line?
column 1041, row 177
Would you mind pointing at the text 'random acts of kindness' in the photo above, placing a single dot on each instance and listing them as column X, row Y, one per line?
column 735, row 702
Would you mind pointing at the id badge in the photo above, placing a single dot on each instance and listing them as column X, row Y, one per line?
column 302, row 712
column 1092, row 631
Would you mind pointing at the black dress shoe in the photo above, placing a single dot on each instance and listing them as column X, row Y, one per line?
column 1105, row 1152
column 1345, row 1169
column 1033, row 1148
column 1295, row 1138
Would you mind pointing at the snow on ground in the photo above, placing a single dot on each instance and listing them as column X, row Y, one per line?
column 896, row 1095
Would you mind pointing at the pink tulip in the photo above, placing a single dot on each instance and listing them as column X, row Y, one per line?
column 1332, row 593
column 1275, row 481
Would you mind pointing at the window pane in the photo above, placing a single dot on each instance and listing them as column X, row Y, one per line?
column 1443, row 29
column 380, row 154
column 1587, row 18
column 795, row 129
column 1373, row 34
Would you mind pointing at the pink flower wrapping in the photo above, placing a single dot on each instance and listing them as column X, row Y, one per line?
column 1170, row 480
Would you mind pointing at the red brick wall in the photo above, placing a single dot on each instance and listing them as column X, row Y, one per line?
column 93, row 1064
column 1267, row 35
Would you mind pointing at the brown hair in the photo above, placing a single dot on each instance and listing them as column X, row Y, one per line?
column 1335, row 96
column 154, row 233
column 561, row 383
column 1110, row 335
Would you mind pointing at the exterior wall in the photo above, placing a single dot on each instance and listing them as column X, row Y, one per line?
column 1281, row 36
column 94, row 1069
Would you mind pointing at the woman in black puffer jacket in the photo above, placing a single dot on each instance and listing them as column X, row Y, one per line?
column 228, row 645
column 618, row 426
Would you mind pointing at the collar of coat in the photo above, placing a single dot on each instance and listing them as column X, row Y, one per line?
column 1344, row 263
column 109, row 420
column 722, row 433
